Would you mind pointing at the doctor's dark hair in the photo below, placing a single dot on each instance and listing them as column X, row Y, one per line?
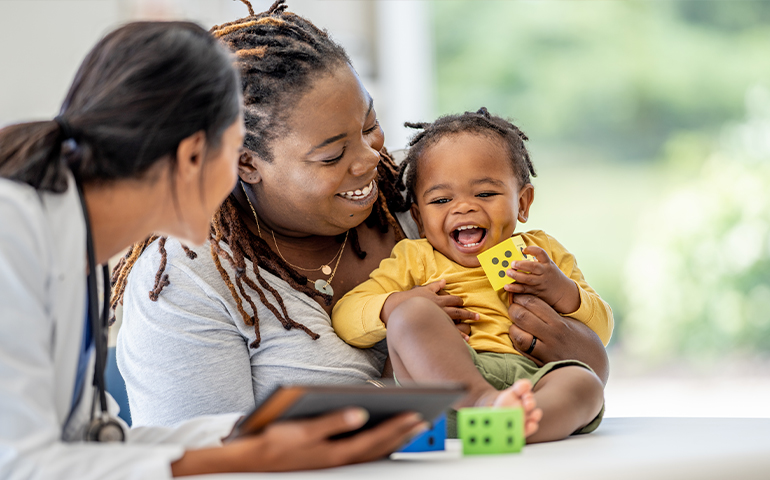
column 139, row 92
column 280, row 56
column 479, row 122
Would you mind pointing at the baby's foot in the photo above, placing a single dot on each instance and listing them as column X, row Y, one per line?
column 520, row 395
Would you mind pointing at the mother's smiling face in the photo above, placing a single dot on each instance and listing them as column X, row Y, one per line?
column 321, row 180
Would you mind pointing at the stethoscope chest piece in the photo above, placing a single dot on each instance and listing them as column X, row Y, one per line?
column 105, row 428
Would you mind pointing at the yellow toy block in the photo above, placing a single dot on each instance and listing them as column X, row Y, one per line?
column 497, row 260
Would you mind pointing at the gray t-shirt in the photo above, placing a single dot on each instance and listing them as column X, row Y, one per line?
column 187, row 354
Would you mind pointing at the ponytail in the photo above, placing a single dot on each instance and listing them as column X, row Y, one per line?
column 140, row 91
column 32, row 153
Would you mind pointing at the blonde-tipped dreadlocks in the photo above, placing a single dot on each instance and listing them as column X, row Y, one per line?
column 279, row 55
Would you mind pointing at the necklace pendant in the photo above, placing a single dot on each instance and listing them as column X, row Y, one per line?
column 326, row 269
column 323, row 286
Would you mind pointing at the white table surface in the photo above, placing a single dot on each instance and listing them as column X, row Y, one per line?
column 622, row 448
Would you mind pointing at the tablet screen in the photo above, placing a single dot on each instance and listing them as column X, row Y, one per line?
column 304, row 401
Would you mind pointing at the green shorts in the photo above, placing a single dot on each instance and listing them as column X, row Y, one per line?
column 501, row 370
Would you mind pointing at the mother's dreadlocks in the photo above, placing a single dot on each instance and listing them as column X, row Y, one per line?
column 481, row 122
column 279, row 55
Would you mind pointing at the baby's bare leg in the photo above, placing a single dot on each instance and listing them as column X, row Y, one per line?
column 570, row 398
column 424, row 346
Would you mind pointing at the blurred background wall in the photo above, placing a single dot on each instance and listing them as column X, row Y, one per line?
column 43, row 42
column 650, row 131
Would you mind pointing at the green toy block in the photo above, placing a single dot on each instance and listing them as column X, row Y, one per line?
column 490, row 430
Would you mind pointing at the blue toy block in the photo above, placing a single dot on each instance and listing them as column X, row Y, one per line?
column 431, row 440
column 490, row 430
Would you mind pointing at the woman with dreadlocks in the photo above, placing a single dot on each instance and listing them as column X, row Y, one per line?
column 152, row 122
column 317, row 207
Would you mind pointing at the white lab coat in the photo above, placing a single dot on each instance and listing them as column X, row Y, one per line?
column 42, row 316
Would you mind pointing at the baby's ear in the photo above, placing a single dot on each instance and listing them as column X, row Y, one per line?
column 526, row 197
column 415, row 211
column 248, row 167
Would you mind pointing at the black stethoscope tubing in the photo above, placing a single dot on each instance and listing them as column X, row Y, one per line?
column 99, row 324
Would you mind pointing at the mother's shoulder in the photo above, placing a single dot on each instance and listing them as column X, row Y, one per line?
column 181, row 262
column 199, row 264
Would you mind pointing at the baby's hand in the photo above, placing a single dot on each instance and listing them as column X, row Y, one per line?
column 451, row 304
column 544, row 279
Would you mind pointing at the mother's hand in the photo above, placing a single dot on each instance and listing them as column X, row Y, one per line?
column 558, row 338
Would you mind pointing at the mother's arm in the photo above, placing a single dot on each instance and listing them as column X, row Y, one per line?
column 558, row 338
column 181, row 356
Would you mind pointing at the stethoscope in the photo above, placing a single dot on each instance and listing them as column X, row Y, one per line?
column 103, row 427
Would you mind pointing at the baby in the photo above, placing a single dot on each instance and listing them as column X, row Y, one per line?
column 468, row 179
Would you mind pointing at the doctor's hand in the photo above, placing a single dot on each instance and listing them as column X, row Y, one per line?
column 304, row 445
column 558, row 338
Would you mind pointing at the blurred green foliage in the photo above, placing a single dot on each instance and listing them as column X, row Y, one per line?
column 633, row 107
column 617, row 77
column 698, row 284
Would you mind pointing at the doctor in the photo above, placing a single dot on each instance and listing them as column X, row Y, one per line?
column 148, row 140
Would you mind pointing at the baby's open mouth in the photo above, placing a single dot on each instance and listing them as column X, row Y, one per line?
column 469, row 235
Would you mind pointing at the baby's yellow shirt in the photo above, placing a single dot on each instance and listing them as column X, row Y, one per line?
column 356, row 316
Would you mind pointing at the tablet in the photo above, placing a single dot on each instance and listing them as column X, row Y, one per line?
column 304, row 401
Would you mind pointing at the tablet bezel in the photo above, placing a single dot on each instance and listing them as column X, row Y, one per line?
column 306, row 401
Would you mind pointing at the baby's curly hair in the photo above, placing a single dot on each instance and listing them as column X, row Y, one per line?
column 480, row 122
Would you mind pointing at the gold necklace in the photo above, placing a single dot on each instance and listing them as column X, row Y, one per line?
column 323, row 286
